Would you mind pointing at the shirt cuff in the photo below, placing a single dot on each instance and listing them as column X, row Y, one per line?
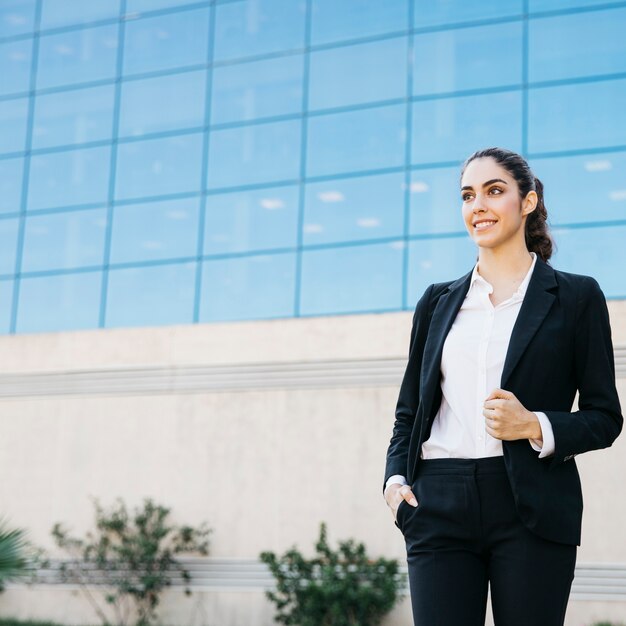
column 547, row 434
column 395, row 479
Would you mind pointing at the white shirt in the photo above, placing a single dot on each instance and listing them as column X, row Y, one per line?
column 471, row 367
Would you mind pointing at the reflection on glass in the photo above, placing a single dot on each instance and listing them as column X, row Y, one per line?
column 16, row 17
column 250, row 287
column 11, row 185
column 350, row 209
column 167, row 229
column 61, row 302
column 8, row 245
column 65, row 240
column 57, row 13
column 244, row 221
column 13, row 114
column 456, row 11
column 334, row 81
column 151, row 296
column 15, row 62
column 352, row 279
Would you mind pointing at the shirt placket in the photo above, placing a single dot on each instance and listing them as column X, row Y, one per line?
column 481, row 379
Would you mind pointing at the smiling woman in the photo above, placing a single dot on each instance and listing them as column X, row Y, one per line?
column 479, row 474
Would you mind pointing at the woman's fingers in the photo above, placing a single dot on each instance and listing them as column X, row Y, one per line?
column 408, row 495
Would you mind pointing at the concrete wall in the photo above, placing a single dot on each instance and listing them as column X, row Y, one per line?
column 263, row 429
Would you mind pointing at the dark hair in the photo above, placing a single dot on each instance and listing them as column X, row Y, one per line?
column 537, row 234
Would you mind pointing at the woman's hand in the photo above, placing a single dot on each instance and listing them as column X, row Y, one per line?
column 394, row 495
column 507, row 419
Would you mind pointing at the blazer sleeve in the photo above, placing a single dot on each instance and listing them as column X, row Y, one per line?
column 599, row 419
column 408, row 398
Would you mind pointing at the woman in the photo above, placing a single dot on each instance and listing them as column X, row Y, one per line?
column 480, row 473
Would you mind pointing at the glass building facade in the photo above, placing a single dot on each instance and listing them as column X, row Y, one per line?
column 167, row 162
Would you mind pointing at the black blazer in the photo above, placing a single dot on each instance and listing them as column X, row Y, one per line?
column 560, row 343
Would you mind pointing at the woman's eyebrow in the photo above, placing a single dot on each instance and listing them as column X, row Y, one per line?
column 489, row 182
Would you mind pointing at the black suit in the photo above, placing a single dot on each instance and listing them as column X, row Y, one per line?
column 560, row 343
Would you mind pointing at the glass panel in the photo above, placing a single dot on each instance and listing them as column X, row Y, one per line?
column 72, row 117
column 254, row 154
column 62, row 302
column 159, row 166
column 368, row 207
column 155, row 230
column 180, row 98
column 13, row 116
column 8, row 244
column 251, row 220
column 552, row 5
column 77, row 56
column 69, row 178
column 437, row 260
column 56, row 13
column 582, row 189
column 251, row 287
column 334, row 81
column 451, row 129
column 356, row 140
column 151, row 296
column 16, row 17
column 468, row 58
column 594, row 110
column 256, row 27
column 350, row 19
column 64, row 240
column 6, row 303
column 11, row 171
column 603, row 50
column 249, row 91
column 15, row 62
column 166, row 41
column 597, row 252
column 352, row 279
column 436, row 201
column 456, row 11
column 152, row 5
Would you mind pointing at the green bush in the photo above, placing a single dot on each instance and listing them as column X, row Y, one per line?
column 336, row 588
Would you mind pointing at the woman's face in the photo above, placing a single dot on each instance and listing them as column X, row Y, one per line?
column 489, row 192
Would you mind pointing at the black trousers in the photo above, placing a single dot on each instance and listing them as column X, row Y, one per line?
column 464, row 535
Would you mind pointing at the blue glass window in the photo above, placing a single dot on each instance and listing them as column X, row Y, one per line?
column 594, row 110
column 152, row 5
column 57, row 13
column 580, row 44
column 151, row 296
column 356, row 140
column 77, row 56
column 451, row 129
column 457, row 11
column 167, row 229
column 13, row 115
column 595, row 251
column 65, row 240
column 15, row 62
column 436, row 201
column 438, row 259
column 166, row 41
column 247, row 91
column 255, row 27
column 334, row 81
column 251, row 287
column 11, row 171
column 555, row 5
column 254, row 154
column 244, row 221
column 180, row 99
column 351, row 19
column 159, row 166
column 352, row 279
column 61, row 302
column 16, row 17
column 368, row 207
column 463, row 58
column 8, row 244
column 585, row 188
column 6, row 301
column 69, row 178
column 74, row 117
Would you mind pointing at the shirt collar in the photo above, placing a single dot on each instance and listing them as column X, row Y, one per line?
column 521, row 290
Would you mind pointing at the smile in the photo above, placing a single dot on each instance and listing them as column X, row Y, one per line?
column 484, row 225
